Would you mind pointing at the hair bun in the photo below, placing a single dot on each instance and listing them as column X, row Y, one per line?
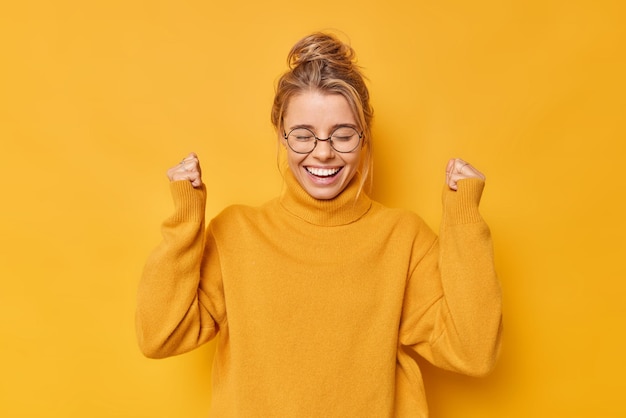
column 323, row 47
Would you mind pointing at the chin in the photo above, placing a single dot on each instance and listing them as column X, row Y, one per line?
column 324, row 194
column 327, row 191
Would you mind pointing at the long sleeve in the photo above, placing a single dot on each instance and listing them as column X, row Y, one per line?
column 174, row 312
column 452, row 310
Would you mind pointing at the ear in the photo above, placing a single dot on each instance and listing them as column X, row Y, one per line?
column 281, row 139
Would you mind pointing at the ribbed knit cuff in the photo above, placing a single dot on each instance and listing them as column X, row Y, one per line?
column 461, row 206
column 189, row 201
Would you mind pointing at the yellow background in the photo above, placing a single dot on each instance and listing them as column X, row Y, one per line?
column 99, row 98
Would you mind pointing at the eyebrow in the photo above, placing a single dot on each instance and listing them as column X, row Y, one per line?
column 332, row 128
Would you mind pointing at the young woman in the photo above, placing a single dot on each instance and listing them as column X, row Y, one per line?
column 321, row 297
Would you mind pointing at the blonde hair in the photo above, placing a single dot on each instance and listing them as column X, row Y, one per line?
column 321, row 62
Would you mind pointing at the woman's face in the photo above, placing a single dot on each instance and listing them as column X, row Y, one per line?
column 324, row 173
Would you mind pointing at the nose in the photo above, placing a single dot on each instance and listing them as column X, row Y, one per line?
column 323, row 151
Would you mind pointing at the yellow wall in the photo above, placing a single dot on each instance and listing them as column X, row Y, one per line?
column 98, row 98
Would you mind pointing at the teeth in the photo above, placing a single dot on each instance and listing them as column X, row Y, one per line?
column 322, row 172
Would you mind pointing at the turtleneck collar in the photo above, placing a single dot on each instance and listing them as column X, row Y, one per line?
column 341, row 210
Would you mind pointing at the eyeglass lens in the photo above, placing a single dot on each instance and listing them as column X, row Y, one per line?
column 343, row 139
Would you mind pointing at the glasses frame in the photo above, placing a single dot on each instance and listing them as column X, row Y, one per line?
column 329, row 139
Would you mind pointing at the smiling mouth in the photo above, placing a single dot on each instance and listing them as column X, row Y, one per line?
column 323, row 172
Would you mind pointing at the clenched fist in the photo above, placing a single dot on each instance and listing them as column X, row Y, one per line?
column 187, row 169
column 458, row 169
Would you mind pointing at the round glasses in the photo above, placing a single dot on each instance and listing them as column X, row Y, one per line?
column 344, row 139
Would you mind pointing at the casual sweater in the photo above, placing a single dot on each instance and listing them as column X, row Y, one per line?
column 320, row 305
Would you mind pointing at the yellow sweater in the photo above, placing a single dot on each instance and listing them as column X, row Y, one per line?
column 319, row 305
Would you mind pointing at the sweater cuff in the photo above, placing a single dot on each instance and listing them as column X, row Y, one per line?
column 461, row 206
column 189, row 201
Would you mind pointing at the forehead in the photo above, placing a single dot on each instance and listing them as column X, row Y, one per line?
column 319, row 110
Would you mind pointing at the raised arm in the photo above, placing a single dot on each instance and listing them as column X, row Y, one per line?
column 452, row 312
column 174, row 313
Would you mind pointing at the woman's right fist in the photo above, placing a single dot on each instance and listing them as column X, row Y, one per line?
column 187, row 169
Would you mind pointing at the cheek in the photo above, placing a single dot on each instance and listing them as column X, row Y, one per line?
column 294, row 159
column 355, row 160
